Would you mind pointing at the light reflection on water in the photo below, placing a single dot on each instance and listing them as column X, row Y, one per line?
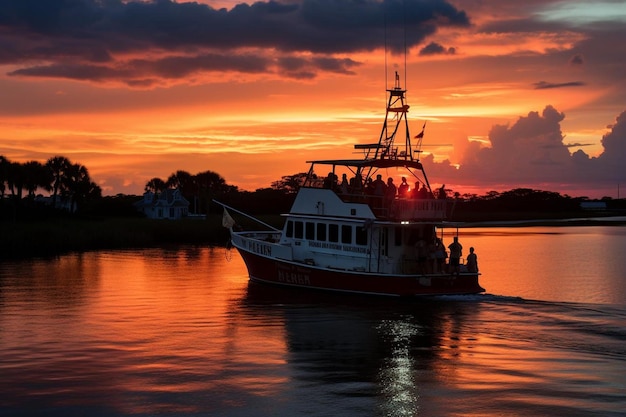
column 182, row 332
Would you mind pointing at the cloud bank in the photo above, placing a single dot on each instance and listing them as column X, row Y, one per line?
column 140, row 43
column 531, row 152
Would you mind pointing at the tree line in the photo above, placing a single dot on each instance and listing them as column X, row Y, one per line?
column 72, row 189
column 69, row 183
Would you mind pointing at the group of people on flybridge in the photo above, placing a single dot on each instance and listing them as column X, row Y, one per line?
column 378, row 187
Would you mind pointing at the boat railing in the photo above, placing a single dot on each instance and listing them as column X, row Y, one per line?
column 430, row 265
column 412, row 209
column 398, row 208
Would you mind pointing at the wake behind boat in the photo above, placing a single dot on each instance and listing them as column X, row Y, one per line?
column 361, row 233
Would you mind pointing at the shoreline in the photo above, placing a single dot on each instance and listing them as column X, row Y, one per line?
column 575, row 221
column 53, row 238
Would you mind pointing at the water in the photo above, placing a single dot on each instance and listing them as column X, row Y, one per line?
column 182, row 333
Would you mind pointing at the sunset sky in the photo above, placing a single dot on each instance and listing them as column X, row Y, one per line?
column 514, row 94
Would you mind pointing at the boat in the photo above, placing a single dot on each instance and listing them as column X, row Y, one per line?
column 362, row 234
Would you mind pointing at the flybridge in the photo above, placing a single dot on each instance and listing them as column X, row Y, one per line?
column 386, row 153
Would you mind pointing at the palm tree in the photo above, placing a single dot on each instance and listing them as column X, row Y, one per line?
column 181, row 180
column 77, row 185
column 210, row 185
column 15, row 179
column 4, row 172
column 37, row 175
column 58, row 166
column 155, row 185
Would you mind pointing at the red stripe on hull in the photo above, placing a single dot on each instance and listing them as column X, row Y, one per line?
column 276, row 271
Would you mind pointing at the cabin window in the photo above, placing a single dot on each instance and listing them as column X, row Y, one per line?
column 299, row 228
column 383, row 241
column 289, row 232
column 397, row 236
column 361, row 236
column 309, row 229
column 333, row 233
column 321, row 232
column 346, row 233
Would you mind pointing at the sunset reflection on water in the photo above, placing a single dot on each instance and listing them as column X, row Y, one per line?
column 115, row 322
column 183, row 331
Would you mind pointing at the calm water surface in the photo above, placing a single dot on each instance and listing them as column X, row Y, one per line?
column 182, row 333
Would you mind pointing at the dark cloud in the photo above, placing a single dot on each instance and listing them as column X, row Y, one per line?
column 146, row 73
column 434, row 48
column 542, row 85
column 614, row 144
column 100, row 40
column 577, row 60
column 578, row 145
column 532, row 152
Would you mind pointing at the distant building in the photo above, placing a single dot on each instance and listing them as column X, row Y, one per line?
column 169, row 204
column 593, row 205
column 60, row 202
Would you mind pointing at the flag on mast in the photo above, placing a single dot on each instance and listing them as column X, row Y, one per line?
column 421, row 134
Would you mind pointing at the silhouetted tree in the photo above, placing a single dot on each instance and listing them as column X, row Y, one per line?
column 58, row 166
column 37, row 176
column 210, row 185
column 290, row 183
column 4, row 172
column 182, row 180
column 77, row 186
column 155, row 185
column 15, row 180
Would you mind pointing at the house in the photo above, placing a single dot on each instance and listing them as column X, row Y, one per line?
column 59, row 202
column 168, row 204
column 593, row 205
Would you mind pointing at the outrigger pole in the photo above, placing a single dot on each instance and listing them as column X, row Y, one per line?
column 247, row 215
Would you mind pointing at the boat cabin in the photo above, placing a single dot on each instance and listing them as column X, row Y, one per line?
column 327, row 230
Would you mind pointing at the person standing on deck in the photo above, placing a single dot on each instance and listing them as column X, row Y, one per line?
column 440, row 256
column 456, row 250
column 472, row 261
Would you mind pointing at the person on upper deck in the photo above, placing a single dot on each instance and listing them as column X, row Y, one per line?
column 403, row 189
column 415, row 193
column 369, row 187
column 343, row 187
column 356, row 184
column 390, row 192
column 379, row 186
column 330, row 181
column 442, row 192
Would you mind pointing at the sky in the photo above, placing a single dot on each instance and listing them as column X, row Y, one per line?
column 514, row 94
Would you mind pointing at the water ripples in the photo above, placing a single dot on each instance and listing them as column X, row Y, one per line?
column 182, row 332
